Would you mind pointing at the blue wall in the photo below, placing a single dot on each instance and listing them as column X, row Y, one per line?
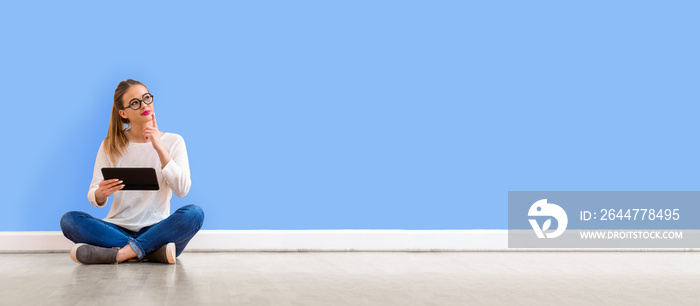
column 355, row 115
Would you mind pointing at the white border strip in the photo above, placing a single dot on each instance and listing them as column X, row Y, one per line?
column 309, row 240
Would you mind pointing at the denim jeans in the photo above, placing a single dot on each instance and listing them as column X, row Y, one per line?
column 179, row 228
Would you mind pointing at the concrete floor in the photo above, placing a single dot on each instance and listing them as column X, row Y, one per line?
column 359, row 278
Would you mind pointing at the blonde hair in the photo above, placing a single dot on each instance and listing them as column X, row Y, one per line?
column 116, row 140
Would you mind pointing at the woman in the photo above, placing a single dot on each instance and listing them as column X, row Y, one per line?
column 138, row 225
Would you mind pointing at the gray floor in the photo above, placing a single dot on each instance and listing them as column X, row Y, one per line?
column 359, row 278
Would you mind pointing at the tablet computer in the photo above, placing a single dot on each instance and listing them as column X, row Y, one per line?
column 134, row 178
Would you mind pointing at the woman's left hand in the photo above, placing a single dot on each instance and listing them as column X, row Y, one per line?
column 152, row 133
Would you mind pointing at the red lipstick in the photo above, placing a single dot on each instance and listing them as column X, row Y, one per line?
column 146, row 113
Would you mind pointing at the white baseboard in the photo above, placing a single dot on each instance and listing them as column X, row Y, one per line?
column 350, row 240
column 309, row 240
column 294, row 240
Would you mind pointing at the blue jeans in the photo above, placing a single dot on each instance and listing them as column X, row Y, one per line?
column 179, row 228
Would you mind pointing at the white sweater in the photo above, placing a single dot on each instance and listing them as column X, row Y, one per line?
column 136, row 209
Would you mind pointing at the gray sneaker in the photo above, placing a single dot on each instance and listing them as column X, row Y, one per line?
column 83, row 253
column 166, row 254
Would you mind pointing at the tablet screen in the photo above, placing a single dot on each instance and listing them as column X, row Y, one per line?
column 134, row 178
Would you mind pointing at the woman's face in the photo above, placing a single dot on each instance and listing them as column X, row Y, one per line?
column 132, row 96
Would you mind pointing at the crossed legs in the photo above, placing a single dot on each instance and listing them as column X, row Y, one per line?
column 178, row 228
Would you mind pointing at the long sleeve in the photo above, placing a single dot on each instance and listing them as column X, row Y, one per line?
column 177, row 171
column 100, row 162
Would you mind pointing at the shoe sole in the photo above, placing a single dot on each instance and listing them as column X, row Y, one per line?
column 74, row 250
column 170, row 253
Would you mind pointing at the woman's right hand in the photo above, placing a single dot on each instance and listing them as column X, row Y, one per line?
column 107, row 188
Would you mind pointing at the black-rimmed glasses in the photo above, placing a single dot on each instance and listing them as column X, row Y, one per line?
column 135, row 104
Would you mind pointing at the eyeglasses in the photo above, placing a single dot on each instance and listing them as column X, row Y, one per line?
column 135, row 104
